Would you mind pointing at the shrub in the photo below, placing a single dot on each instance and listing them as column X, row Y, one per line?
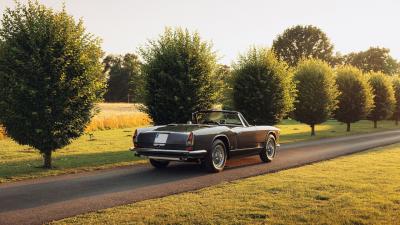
column 355, row 100
column 316, row 92
column 263, row 89
column 179, row 69
column 384, row 99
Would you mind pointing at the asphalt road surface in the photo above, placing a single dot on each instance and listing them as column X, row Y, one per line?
column 42, row 200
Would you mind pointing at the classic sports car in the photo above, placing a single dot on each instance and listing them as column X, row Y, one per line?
column 212, row 137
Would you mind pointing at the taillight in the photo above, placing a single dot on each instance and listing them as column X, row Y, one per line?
column 190, row 139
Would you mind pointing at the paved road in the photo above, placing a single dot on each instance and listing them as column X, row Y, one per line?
column 42, row 200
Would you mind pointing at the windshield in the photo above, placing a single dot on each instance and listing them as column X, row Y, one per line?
column 219, row 118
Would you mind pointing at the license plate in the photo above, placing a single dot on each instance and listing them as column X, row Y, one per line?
column 161, row 139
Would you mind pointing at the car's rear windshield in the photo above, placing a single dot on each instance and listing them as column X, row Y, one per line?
column 219, row 118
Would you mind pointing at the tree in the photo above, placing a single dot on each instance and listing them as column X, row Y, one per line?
column 384, row 99
column 396, row 88
column 300, row 42
column 179, row 69
column 316, row 92
column 50, row 77
column 124, row 78
column 263, row 89
column 374, row 59
column 355, row 100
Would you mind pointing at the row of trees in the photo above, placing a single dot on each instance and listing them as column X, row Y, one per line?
column 292, row 46
column 266, row 89
column 51, row 76
column 182, row 77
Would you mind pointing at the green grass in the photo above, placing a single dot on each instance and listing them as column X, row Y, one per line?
column 293, row 131
column 359, row 189
column 106, row 149
column 110, row 149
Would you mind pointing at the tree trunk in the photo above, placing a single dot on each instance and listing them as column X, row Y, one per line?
column 397, row 121
column 312, row 130
column 348, row 127
column 47, row 160
column 375, row 124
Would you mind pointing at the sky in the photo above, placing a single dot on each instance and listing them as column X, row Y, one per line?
column 235, row 25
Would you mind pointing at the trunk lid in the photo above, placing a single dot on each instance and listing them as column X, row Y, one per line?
column 172, row 136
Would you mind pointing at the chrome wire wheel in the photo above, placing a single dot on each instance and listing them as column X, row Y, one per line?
column 269, row 151
column 270, row 148
column 218, row 156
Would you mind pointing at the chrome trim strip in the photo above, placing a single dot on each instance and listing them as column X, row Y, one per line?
column 164, row 158
column 245, row 149
column 165, row 132
column 171, row 151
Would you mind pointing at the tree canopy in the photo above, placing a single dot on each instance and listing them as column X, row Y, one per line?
column 179, row 68
column 263, row 89
column 374, row 59
column 355, row 100
column 125, row 79
column 300, row 42
column 50, row 77
column 316, row 92
column 384, row 98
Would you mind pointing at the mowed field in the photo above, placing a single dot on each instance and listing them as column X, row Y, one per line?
column 358, row 189
column 106, row 143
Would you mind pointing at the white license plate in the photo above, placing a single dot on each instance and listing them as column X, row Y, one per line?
column 161, row 139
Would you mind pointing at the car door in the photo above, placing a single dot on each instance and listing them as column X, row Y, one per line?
column 246, row 140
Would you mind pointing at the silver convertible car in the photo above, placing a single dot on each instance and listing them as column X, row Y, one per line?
column 212, row 137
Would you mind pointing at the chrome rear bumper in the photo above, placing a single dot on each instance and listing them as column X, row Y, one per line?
column 169, row 154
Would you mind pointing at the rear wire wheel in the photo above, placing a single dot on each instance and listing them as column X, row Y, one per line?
column 269, row 151
column 216, row 157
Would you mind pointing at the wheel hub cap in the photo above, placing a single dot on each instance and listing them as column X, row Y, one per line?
column 218, row 156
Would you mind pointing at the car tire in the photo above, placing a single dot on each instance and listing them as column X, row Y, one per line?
column 269, row 151
column 216, row 157
column 158, row 163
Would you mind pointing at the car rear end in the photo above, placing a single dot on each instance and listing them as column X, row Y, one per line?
column 167, row 145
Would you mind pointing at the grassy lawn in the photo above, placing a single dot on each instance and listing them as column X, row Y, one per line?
column 292, row 131
column 107, row 148
column 359, row 189
column 110, row 149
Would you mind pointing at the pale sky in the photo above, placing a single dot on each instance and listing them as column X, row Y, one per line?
column 235, row 25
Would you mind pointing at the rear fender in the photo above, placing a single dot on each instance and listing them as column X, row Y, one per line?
column 224, row 139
